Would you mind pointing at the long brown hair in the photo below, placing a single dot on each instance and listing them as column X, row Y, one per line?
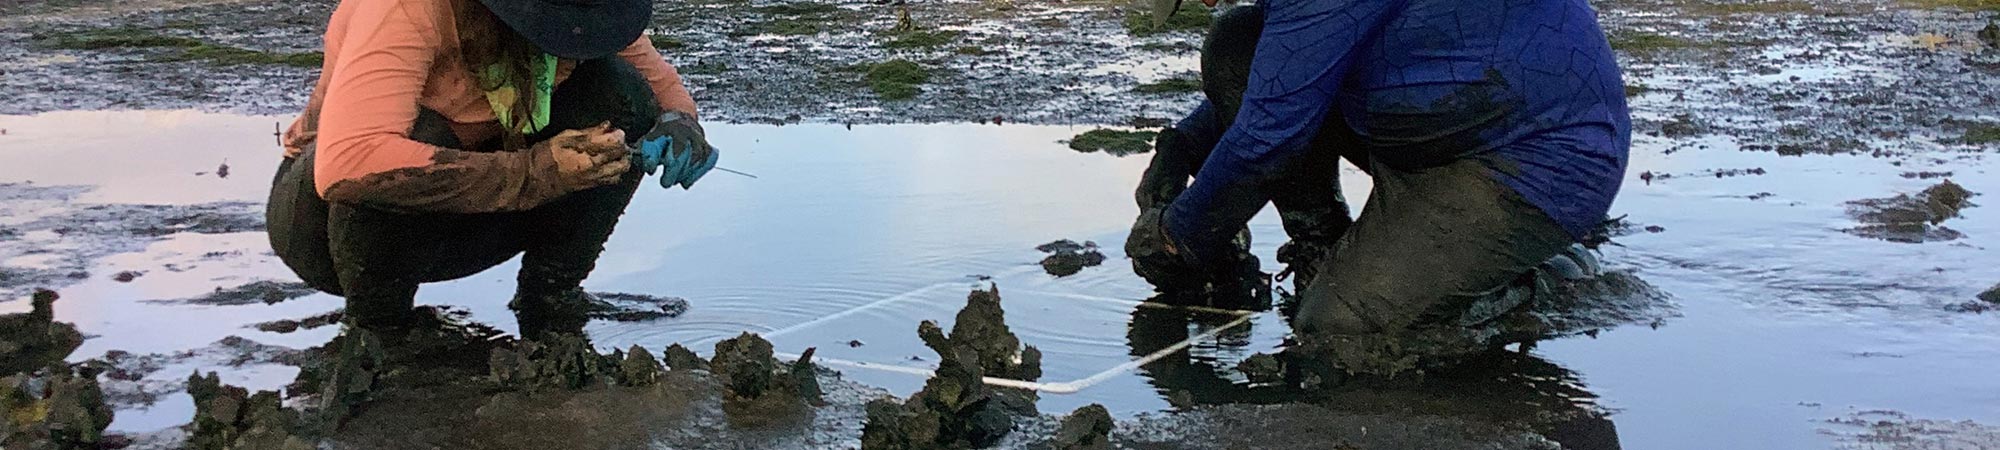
column 485, row 42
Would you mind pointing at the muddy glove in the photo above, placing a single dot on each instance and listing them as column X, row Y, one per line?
column 1156, row 258
column 677, row 149
column 587, row 158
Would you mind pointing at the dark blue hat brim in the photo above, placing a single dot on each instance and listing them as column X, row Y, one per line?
column 574, row 31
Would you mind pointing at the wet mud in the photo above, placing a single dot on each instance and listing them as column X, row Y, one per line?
column 1894, row 430
column 623, row 307
column 49, row 225
column 137, row 381
column 265, row 292
column 1066, row 257
column 1576, row 297
column 283, row 326
column 766, row 62
column 1912, row 218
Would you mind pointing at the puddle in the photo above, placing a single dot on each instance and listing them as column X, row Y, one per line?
column 854, row 236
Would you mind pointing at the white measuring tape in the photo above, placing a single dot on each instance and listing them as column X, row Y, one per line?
column 1066, row 387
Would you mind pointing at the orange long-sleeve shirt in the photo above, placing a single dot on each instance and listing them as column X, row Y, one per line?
column 386, row 58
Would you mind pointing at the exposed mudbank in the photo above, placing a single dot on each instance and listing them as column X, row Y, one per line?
column 68, row 235
column 135, row 381
column 290, row 325
column 775, row 62
column 265, row 292
column 624, row 307
column 1893, row 430
column 1912, row 218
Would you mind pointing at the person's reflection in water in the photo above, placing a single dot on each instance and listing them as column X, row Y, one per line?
column 1510, row 390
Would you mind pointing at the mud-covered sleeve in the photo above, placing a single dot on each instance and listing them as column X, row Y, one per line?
column 365, row 155
column 1305, row 51
column 666, row 81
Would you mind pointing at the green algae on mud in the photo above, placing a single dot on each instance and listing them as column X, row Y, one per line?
column 190, row 49
column 915, row 39
column 897, row 79
column 667, row 42
column 1964, row 5
column 1114, row 142
column 1175, row 85
column 1190, row 16
column 1980, row 133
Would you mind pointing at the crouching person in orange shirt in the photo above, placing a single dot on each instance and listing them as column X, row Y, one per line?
column 444, row 137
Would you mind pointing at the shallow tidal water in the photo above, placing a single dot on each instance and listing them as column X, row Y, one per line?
column 858, row 234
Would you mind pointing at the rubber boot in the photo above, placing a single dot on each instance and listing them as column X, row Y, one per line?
column 547, row 313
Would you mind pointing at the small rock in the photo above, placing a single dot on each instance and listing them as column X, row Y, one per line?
column 562, row 361
column 1066, row 257
column 855, row 343
column 639, row 368
column 1087, row 428
column 34, row 340
column 230, row 417
column 1262, row 368
column 745, row 365
column 680, row 358
column 58, row 408
column 1991, row 295
column 126, row 276
column 755, row 390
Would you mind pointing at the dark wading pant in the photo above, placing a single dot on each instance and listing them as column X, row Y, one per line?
column 377, row 257
column 1431, row 241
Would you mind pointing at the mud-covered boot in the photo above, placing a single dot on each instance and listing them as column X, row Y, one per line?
column 559, row 312
column 1302, row 259
column 1572, row 264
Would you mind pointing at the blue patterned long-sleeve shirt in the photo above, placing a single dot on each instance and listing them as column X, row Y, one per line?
column 1528, row 87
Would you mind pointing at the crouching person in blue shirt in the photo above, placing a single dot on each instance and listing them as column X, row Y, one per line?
column 1496, row 134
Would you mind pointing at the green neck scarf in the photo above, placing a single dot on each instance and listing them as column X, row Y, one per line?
column 502, row 98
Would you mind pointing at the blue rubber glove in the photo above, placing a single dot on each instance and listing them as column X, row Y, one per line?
column 676, row 149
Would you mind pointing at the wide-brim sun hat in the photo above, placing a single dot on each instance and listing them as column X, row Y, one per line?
column 576, row 29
